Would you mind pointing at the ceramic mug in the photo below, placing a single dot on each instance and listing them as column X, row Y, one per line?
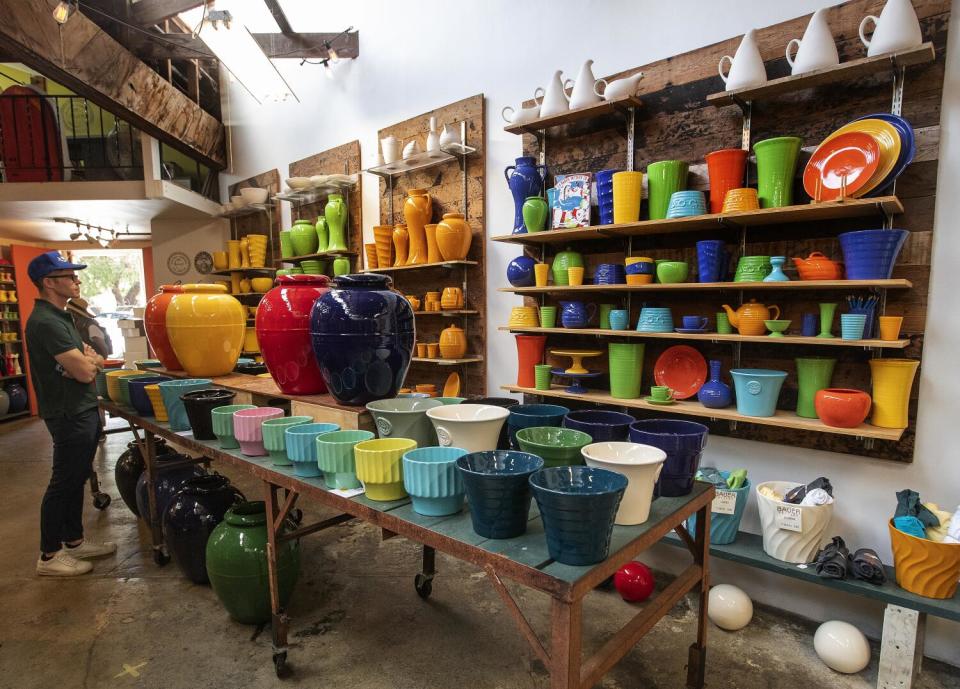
column 695, row 322
column 661, row 393
column 619, row 319
column 723, row 323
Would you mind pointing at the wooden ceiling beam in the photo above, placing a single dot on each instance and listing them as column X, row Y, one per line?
column 153, row 12
column 279, row 16
column 181, row 46
column 86, row 60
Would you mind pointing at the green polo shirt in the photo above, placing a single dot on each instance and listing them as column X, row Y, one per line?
column 50, row 331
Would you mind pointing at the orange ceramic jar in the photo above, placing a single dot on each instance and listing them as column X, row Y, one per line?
column 453, row 343
column 206, row 326
column 453, row 237
column 842, row 407
column 155, row 323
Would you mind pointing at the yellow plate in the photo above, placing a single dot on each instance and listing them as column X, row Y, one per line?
column 887, row 138
column 452, row 387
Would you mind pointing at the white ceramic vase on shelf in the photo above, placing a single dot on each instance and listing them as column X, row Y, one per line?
column 411, row 149
column 897, row 28
column 584, row 88
column 554, row 99
column 391, row 149
column 433, row 137
column 449, row 135
column 620, row 88
column 817, row 49
column 746, row 66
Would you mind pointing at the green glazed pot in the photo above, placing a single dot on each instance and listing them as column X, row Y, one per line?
column 323, row 234
column 626, row 369
column 776, row 167
column 669, row 272
column 222, row 418
column 814, row 373
column 561, row 262
column 286, row 244
column 336, row 460
column 341, row 266
column 303, row 237
column 335, row 213
column 556, row 446
column 663, row 178
column 274, row 438
column 535, row 214
column 753, row 269
column 237, row 564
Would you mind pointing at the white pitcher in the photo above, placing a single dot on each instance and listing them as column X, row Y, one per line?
column 554, row 100
column 520, row 115
column 897, row 28
column 450, row 134
column 584, row 88
column 620, row 88
column 746, row 66
column 817, row 49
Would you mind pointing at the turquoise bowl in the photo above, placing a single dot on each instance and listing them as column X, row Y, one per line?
column 335, row 457
column 757, row 390
column 301, row 441
column 222, row 418
column 431, row 477
column 171, row 390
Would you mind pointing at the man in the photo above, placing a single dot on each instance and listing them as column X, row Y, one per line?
column 63, row 370
column 90, row 331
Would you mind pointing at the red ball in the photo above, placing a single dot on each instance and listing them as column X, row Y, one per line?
column 634, row 581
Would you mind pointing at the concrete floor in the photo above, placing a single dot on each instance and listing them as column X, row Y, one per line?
column 357, row 621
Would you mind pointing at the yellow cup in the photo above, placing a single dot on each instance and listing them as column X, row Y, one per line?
column 235, row 282
column 627, row 190
column 433, row 350
column 890, row 327
column 541, row 272
column 575, row 276
column 220, row 260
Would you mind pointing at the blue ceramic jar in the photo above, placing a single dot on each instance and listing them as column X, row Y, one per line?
column 18, row 398
column 363, row 335
column 172, row 471
column 520, row 272
column 576, row 314
column 525, row 180
column 715, row 394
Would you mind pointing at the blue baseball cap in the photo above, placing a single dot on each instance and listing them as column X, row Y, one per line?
column 47, row 263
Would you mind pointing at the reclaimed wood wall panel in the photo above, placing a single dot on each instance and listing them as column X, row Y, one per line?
column 260, row 223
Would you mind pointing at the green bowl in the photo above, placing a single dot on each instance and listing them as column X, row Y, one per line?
column 777, row 327
column 669, row 272
column 557, row 446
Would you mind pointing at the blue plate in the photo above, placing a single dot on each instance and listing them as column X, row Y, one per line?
column 908, row 148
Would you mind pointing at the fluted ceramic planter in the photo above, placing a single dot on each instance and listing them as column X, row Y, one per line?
column 787, row 545
column 155, row 324
column 431, row 478
column 474, row 427
column 222, row 421
column 335, row 457
column 248, row 428
column 275, row 438
column 206, row 326
column 301, row 442
column 380, row 467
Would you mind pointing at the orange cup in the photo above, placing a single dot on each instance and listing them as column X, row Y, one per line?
column 890, row 327
column 575, row 276
column 433, row 350
column 725, row 168
column 741, row 199
column 422, row 350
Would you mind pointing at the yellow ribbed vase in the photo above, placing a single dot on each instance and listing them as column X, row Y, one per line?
column 892, row 383
column 380, row 467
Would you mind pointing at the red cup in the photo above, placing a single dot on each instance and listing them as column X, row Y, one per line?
column 725, row 169
column 529, row 353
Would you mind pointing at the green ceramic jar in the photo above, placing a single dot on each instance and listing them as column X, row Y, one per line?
column 237, row 564
column 561, row 262
column 303, row 237
column 323, row 236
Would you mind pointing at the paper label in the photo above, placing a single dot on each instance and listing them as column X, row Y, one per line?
column 790, row 518
column 725, row 502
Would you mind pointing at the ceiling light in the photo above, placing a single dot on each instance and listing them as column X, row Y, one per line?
column 63, row 10
column 331, row 52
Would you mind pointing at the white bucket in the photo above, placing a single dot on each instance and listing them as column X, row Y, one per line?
column 791, row 533
column 641, row 464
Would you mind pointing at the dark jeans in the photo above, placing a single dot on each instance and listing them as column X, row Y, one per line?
column 74, row 447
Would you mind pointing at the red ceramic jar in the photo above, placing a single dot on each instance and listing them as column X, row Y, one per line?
column 842, row 407
column 155, row 323
column 283, row 332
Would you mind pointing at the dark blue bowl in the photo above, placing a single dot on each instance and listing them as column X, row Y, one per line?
column 683, row 441
column 641, row 268
column 138, row 394
column 528, row 415
column 602, row 425
column 520, row 272
column 498, row 490
column 870, row 254
column 578, row 506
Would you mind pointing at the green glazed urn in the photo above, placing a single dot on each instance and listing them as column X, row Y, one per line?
column 323, row 235
column 303, row 237
column 335, row 213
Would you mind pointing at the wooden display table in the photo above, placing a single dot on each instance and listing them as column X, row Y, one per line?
column 524, row 559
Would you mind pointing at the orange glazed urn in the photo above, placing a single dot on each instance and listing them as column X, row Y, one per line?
column 155, row 323
column 453, row 237
column 417, row 209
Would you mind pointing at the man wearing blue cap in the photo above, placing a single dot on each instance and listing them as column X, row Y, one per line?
column 63, row 370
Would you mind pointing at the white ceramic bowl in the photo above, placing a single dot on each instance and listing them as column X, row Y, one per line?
column 473, row 427
column 253, row 194
column 238, row 201
column 641, row 464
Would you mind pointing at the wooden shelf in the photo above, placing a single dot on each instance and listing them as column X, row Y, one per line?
column 852, row 69
column 447, row 313
column 575, row 115
column 783, row 419
column 811, row 212
column 15, row 415
column 261, row 269
column 448, row 362
column 422, row 160
column 421, row 266
column 803, row 285
column 716, row 337
column 320, row 255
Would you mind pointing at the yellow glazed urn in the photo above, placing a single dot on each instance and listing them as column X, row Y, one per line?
column 453, row 237
column 453, row 343
column 417, row 209
column 749, row 318
column 206, row 327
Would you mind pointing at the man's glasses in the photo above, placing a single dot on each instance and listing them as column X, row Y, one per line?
column 72, row 276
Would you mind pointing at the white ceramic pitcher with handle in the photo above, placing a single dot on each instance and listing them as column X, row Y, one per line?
column 746, row 66
column 897, row 28
column 520, row 115
column 817, row 49
column 584, row 88
column 619, row 88
column 554, row 100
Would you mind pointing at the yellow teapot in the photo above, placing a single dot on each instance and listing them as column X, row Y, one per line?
column 749, row 318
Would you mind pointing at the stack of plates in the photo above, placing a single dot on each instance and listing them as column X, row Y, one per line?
column 862, row 158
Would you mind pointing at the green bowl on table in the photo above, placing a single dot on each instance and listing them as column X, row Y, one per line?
column 274, row 437
column 556, row 446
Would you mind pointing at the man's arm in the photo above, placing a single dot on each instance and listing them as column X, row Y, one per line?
column 77, row 365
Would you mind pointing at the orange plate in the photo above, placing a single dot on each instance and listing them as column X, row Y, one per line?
column 853, row 155
column 682, row 369
column 452, row 387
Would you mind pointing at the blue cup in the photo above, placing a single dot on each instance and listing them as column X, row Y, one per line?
column 711, row 260
column 810, row 325
column 851, row 326
column 497, row 484
column 619, row 319
column 602, row 425
column 431, row 477
column 655, row 320
column 695, row 322
column 530, row 415
column 683, row 443
column 758, row 390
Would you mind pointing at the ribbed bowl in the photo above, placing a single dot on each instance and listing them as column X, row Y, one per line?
column 248, row 428
column 335, row 457
column 380, row 467
column 792, row 546
column 222, row 420
column 275, row 439
column 113, row 382
column 498, row 490
column 172, row 390
column 431, row 477
column 870, row 254
column 925, row 567
column 301, row 442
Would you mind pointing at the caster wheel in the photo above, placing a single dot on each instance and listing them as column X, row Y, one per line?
column 423, row 585
column 280, row 665
column 101, row 501
column 160, row 558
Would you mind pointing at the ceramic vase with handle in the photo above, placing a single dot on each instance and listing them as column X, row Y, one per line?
column 621, row 88
column 584, row 93
column 525, row 179
column 897, row 28
column 554, row 99
column 417, row 209
column 335, row 213
column 746, row 66
column 323, row 234
column 817, row 49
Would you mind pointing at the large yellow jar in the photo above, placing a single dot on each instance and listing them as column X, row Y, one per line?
column 205, row 326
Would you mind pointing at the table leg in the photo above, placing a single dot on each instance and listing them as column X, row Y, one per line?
column 279, row 620
column 901, row 648
column 697, row 657
column 149, row 452
column 565, row 643
column 423, row 582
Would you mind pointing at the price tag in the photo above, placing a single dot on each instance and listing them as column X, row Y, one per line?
column 724, row 503
column 790, row 518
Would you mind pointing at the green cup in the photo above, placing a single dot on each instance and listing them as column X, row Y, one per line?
column 663, row 178
column 776, row 167
column 626, row 369
column 605, row 310
column 286, row 244
column 661, row 393
column 541, row 375
column 548, row 316
column 723, row 324
column 670, row 272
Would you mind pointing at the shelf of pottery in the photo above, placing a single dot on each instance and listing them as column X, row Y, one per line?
column 598, row 272
column 430, row 257
column 13, row 396
column 321, row 244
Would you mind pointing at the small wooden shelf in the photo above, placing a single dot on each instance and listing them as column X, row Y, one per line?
column 575, row 115
column 421, row 266
column 802, row 285
column 227, row 272
column 448, row 362
column 452, row 313
column 851, row 69
column 319, row 255
column 15, row 415
column 811, row 212
column 783, row 419
column 422, row 160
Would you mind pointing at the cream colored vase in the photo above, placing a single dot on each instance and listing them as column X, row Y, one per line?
column 472, row 427
column 785, row 544
column 641, row 464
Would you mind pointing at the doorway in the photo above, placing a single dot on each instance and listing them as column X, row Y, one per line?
column 113, row 285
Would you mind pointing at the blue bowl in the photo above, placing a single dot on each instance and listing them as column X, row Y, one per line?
column 601, row 425
column 870, row 254
column 431, row 477
column 578, row 505
column 138, row 394
column 171, row 391
column 498, row 490
column 683, row 441
column 609, row 274
column 301, row 443
column 520, row 272
column 529, row 415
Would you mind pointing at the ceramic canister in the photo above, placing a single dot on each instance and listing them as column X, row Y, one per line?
column 405, row 417
column 206, row 327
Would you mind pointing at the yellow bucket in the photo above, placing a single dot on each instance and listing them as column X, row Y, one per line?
column 925, row 567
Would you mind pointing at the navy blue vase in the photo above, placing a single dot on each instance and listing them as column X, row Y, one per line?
column 683, row 441
column 170, row 479
column 715, row 394
column 711, row 260
column 191, row 517
column 363, row 335
column 18, row 398
column 526, row 180
column 127, row 470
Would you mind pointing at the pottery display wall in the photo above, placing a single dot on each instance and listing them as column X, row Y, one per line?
column 259, row 223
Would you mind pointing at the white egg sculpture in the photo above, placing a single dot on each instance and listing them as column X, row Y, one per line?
column 842, row 647
column 729, row 607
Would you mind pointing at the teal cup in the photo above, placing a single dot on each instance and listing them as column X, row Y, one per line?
column 655, row 320
column 619, row 319
column 275, row 437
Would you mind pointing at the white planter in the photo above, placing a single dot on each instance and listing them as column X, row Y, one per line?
column 783, row 543
column 641, row 464
column 473, row 427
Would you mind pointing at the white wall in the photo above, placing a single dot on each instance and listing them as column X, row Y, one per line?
column 189, row 237
column 417, row 55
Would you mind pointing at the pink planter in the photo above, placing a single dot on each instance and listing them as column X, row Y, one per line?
column 247, row 429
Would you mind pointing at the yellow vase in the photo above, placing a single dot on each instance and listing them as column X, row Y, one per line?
column 244, row 253
column 205, row 326
column 892, row 383
column 417, row 209
column 383, row 235
column 233, row 254
column 453, row 237
column 12, row 297
column 220, row 260
column 3, row 297
column 627, row 190
column 433, row 249
column 453, row 343
column 401, row 242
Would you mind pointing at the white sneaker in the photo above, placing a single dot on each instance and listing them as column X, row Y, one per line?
column 88, row 550
column 62, row 565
